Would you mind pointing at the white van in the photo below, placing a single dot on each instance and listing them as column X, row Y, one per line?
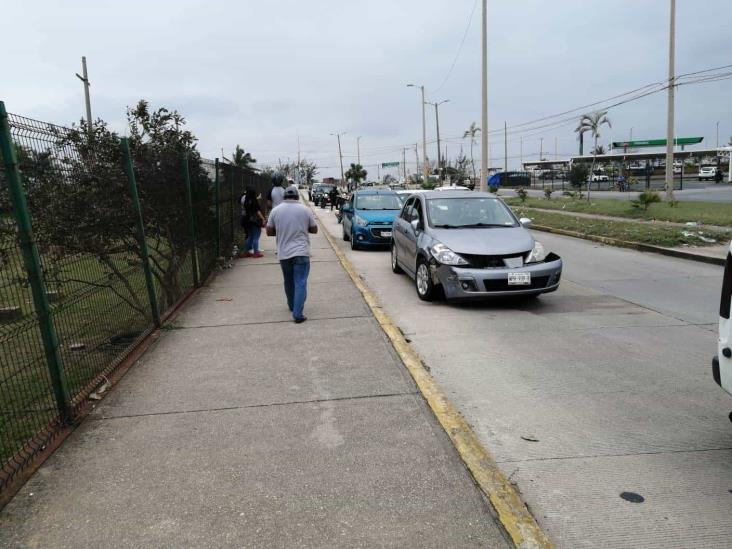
column 722, row 364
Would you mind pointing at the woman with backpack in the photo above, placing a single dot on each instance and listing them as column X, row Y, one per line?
column 252, row 220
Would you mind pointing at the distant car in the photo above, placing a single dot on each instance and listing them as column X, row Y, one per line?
column 403, row 194
column 451, row 188
column 707, row 172
column 599, row 177
column 469, row 246
column 321, row 194
column 368, row 216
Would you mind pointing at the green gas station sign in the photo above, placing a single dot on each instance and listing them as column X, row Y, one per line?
column 390, row 165
column 656, row 142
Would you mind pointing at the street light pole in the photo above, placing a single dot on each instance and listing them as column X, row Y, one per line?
column 340, row 154
column 670, row 118
column 85, row 80
column 437, row 122
column 484, row 101
column 426, row 167
column 358, row 149
column 505, row 147
column 541, row 149
column 717, row 134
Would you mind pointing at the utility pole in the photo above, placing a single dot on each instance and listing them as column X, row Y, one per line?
column 358, row 149
column 85, row 80
column 426, row 167
column 437, row 122
column 404, row 164
column 670, row 120
column 717, row 134
column 521, row 151
column 484, row 101
column 556, row 148
column 416, row 156
column 541, row 149
column 340, row 154
column 505, row 147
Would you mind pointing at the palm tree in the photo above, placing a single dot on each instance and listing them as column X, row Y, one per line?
column 591, row 123
column 242, row 159
column 599, row 150
column 356, row 173
column 470, row 132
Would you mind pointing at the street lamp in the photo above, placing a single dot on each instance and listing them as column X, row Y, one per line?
column 358, row 149
column 425, row 168
column 437, row 122
column 340, row 155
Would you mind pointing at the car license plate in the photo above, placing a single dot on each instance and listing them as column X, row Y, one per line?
column 385, row 233
column 519, row 279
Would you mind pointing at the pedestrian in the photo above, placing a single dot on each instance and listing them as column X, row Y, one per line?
column 292, row 223
column 276, row 193
column 252, row 220
column 333, row 197
column 718, row 175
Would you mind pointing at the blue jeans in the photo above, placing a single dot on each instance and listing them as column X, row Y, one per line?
column 253, row 234
column 295, row 271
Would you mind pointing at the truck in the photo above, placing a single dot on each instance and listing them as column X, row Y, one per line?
column 722, row 363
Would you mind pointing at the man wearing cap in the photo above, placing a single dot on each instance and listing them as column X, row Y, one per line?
column 292, row 223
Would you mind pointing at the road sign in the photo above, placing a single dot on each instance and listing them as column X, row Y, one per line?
column 390, row 164
column 656, row 142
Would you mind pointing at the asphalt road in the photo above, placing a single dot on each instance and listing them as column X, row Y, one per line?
column 696, row 193
column 601, row 388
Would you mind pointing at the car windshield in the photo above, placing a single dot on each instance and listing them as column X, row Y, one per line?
column 325, row 188
column 453, row 213
column 378, row 202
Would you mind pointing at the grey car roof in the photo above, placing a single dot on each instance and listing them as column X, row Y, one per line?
column 457, row 194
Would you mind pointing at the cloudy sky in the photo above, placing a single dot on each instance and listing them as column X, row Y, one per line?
column 260, row 73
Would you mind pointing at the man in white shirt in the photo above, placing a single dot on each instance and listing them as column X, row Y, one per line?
column 292, row 223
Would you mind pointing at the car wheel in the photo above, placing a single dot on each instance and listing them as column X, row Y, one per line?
column 345, row 234
column 352, row 238
column 423, row 282
column 395, row 268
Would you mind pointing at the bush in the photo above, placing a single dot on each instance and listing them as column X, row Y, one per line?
column 645, row 199
column 493, row 189
column 578, row 175
column 522, row 193
column 548, row 193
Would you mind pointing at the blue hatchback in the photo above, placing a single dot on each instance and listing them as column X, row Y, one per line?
column 368, row 217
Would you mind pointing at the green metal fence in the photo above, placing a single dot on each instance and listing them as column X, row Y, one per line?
column 100, row 237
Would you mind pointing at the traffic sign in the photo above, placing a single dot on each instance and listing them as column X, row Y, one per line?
column 390, row 164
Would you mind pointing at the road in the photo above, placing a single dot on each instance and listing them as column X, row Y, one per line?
column 703, row 192
column 601, row 388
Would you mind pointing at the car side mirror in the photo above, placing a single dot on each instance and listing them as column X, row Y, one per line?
column 416, row 225
column 525, row 222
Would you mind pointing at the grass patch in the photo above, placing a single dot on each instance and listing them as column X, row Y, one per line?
column 709, row 213
column 657, row 235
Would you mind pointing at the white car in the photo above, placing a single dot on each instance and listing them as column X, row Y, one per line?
column 451, row 188
column 722, row 364
column 707, row 172
column 599, row 177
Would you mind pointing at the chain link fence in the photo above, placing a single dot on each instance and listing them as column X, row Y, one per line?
column 100, row 238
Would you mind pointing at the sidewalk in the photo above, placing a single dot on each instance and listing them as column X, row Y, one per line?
column 239, row 428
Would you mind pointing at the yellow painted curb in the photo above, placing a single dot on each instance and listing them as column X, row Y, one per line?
column 511, row 511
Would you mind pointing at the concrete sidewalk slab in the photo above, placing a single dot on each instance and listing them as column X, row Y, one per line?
column 234, row 366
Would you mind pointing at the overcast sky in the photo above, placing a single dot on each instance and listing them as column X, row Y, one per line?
column 260, row 73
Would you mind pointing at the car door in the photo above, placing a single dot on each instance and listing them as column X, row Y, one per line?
column 400, row 227
column 412, row 235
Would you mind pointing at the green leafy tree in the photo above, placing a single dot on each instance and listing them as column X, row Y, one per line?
column 242, row 159
column 592, row 123
column 356, row 173
column 578, row 176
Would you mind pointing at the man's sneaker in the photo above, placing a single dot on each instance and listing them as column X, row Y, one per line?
column 300, row 320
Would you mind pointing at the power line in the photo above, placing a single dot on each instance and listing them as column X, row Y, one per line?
column 460, row 48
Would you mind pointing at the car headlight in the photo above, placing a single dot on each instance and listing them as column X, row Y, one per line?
column 538, row 254
column 446, row 256
column 360, row 221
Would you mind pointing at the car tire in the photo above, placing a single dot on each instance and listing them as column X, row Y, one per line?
column 345, row 235
column 395, row 268
column 426, row 289
column 352, row 238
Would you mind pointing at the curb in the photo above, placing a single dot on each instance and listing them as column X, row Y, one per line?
column 512, row 513
column 633, row 245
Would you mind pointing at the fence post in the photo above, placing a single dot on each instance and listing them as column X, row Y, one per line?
column 32, row 262
column 152, row 296
column 217, row 194
column 191, row 221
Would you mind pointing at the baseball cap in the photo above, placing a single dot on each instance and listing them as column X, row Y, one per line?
column 292, row 192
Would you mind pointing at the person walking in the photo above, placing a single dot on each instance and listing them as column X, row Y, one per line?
column 333, row 198
column 718, row 175
column 276, row 193
column 252, row 220
column 292, row 223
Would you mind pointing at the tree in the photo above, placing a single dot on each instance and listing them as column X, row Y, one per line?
column 592, row 123
column 470, row 132
column 242, row 159
column 578, row 176
column 356, row 173
column 598, row 150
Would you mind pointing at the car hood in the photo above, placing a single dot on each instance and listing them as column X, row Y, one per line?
column 486, row 241
column 373, row 216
